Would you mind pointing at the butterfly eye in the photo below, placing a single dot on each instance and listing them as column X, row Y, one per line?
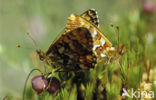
column 41, row 58
column 41, row 54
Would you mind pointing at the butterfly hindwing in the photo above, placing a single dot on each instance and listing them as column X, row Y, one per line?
column 73, row 50
column 89, row 15
column 101, row 45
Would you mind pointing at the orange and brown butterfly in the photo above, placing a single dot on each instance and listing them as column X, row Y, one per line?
column 102, row 47
column 81, row 46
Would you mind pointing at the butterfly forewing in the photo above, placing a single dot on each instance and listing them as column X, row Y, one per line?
column 73, row 51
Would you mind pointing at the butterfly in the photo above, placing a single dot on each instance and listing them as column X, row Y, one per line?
column 81, row 46
column 102, row 47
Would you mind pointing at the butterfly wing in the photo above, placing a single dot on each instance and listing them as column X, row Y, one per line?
column 91, row 16
column 73, row 51
column 102, row 47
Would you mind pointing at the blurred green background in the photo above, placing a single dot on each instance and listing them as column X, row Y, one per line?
column 45, row 19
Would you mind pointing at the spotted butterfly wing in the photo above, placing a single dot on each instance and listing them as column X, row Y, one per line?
column 102, row 47
column 73, row 51
column 91, row 16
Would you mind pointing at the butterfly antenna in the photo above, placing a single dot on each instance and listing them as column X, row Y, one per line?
column 25, row 84
column 117, row 33
column 19, row 46
column 34, row 42
column 118, row 38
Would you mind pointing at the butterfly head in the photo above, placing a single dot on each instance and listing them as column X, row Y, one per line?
column 41, row 55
